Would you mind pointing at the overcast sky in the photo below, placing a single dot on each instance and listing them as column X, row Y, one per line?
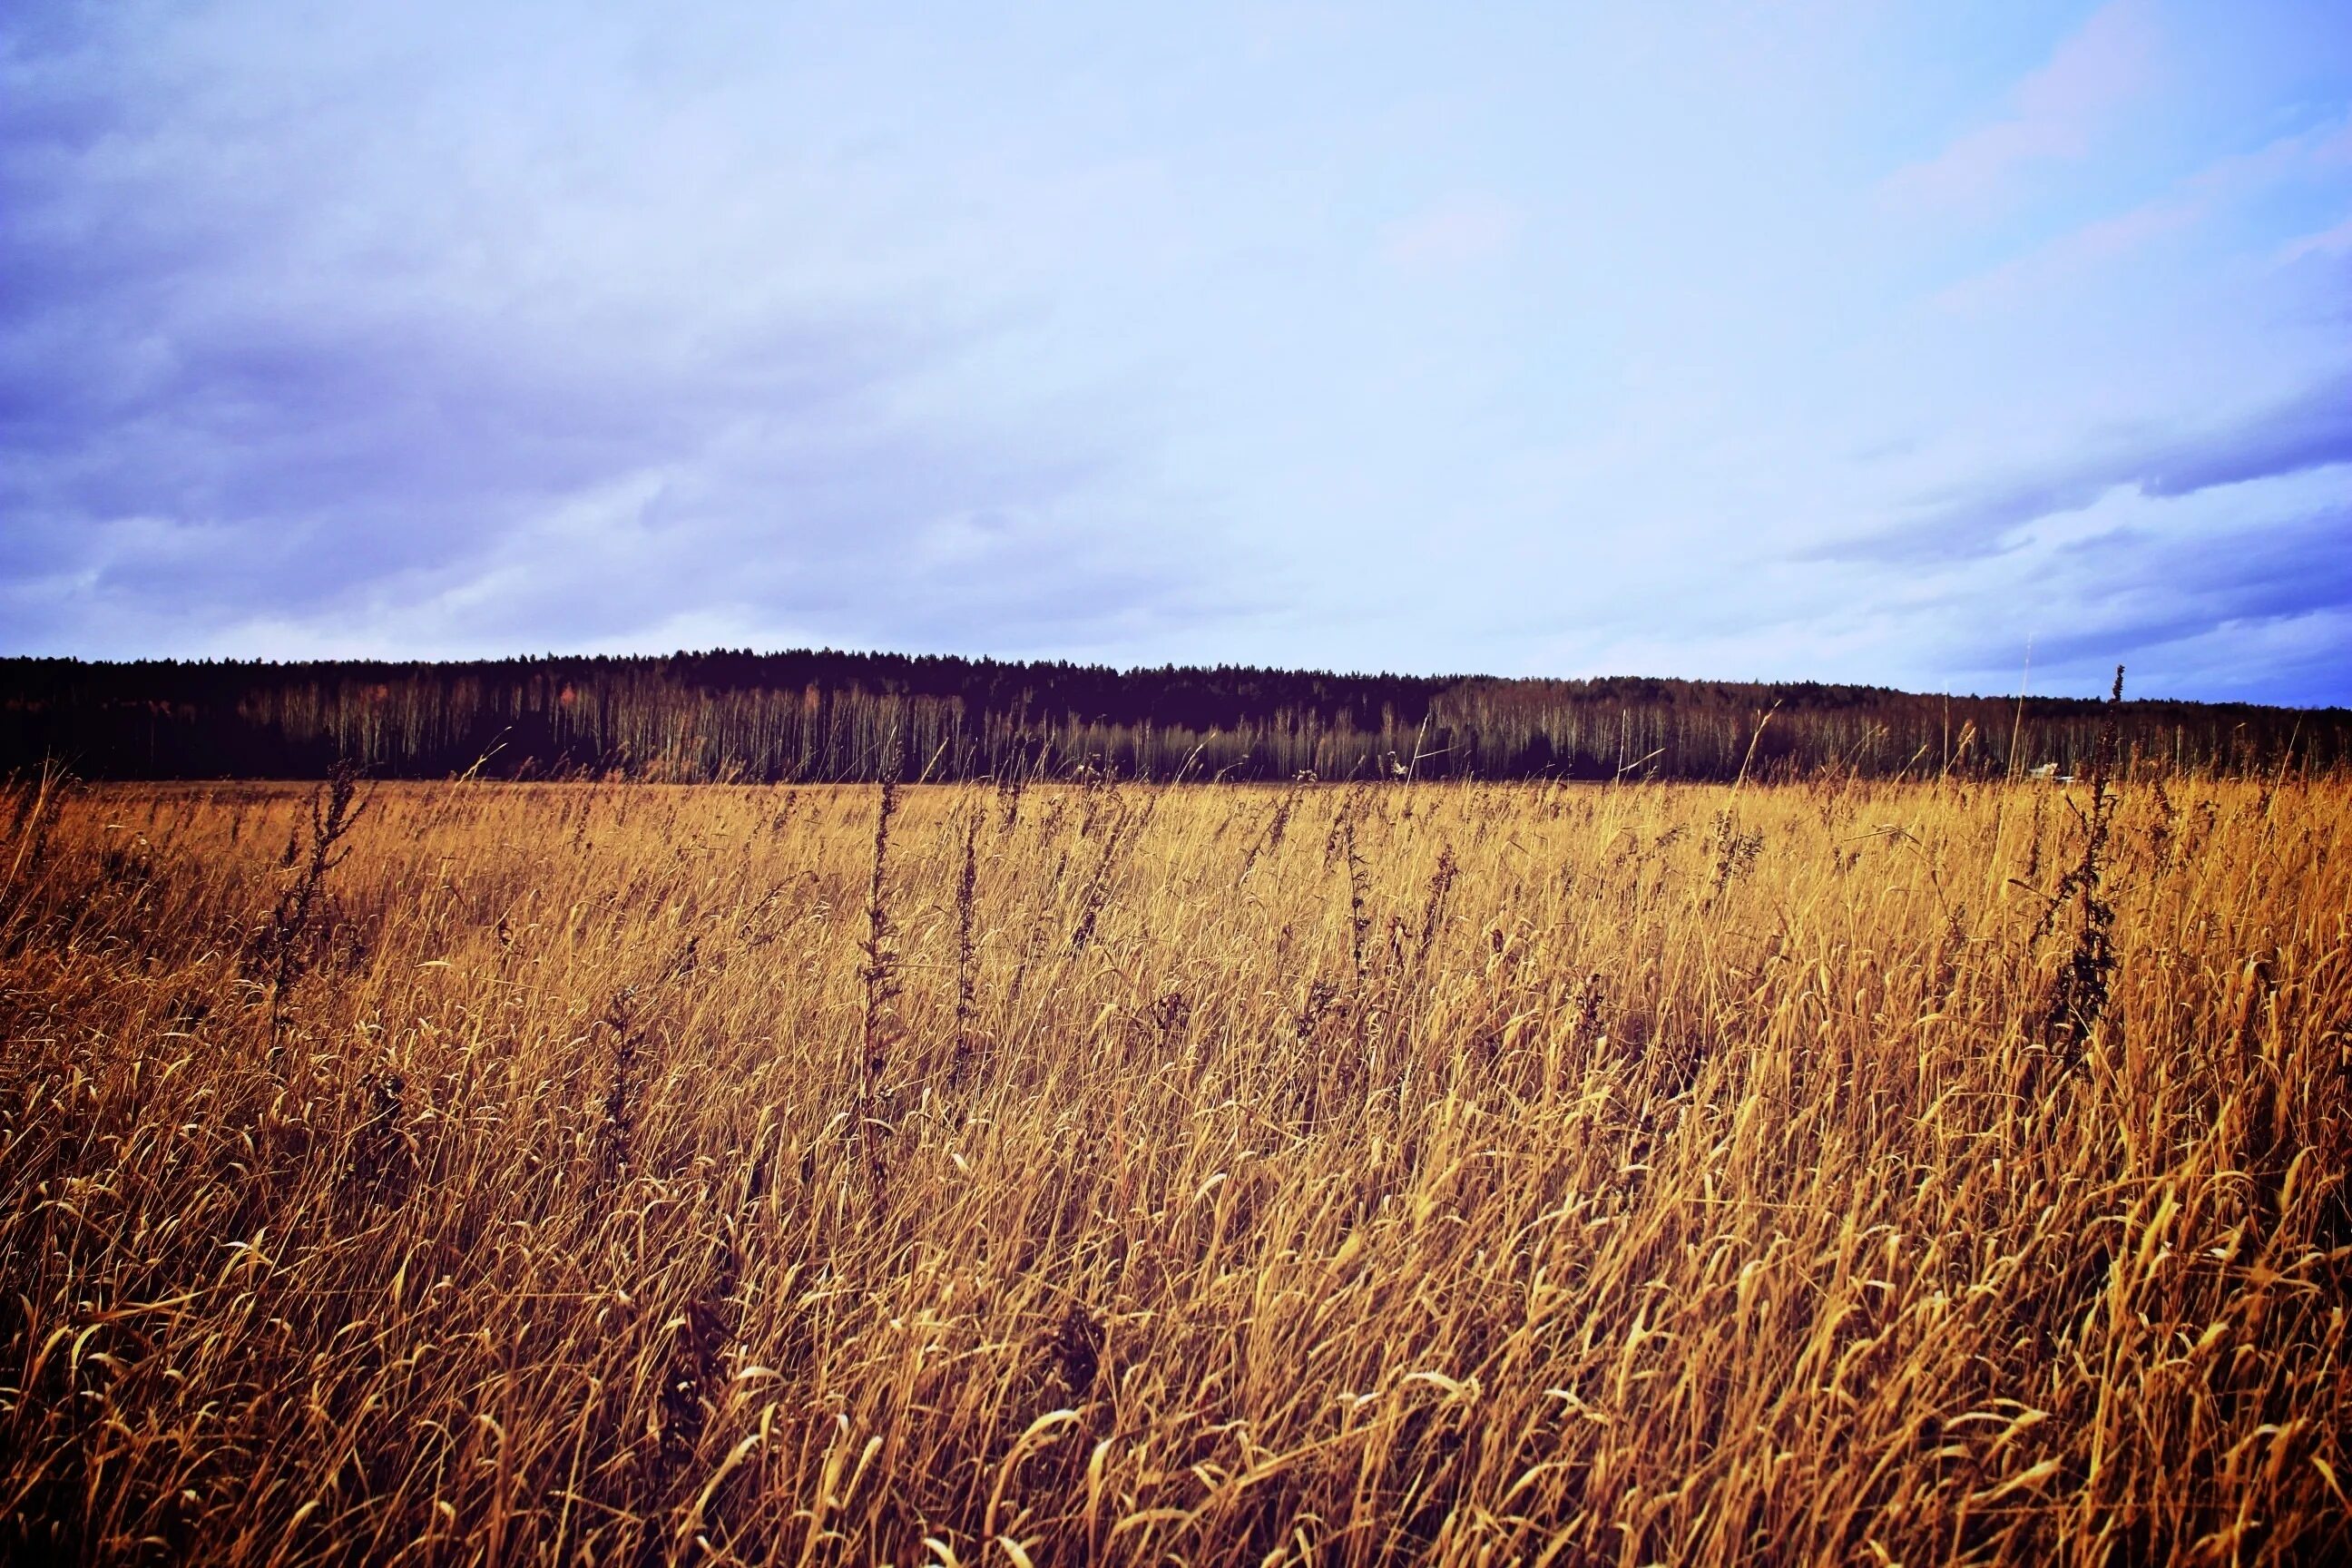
column 1809, row 341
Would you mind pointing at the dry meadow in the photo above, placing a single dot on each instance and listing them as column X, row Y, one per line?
column 518, row 1173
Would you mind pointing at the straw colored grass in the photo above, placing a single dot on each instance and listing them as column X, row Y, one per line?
column 1452, row 1172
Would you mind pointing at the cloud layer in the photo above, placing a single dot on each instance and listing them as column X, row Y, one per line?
column 243, row 388
column 2313, row 429
column 1864, row 347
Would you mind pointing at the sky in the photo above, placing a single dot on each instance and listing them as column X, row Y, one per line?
column 1954, row 348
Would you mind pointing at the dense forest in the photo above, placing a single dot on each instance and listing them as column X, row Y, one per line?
column 813, row 716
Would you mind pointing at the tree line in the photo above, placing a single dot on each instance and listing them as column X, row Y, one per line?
column 812, row 716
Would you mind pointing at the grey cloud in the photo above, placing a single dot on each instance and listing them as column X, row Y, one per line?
column 217, row 416
column 2311, row 430
column 2132, row 593
column 308, row 451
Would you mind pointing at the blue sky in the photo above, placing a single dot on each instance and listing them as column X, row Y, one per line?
column 1815, row 341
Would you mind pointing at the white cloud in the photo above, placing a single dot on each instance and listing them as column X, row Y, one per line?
column 2056, row 114
column 2334, row 241
column 2195, row 200
column 1448, row 236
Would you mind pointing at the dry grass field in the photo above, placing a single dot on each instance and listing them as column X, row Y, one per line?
column 1838, row 1173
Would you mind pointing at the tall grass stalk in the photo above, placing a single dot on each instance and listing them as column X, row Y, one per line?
column 1547, row 1195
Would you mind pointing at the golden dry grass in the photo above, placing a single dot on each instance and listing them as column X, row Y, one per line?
column 1466, row 1173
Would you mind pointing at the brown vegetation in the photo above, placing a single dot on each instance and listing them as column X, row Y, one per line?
column 1105, row 1173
